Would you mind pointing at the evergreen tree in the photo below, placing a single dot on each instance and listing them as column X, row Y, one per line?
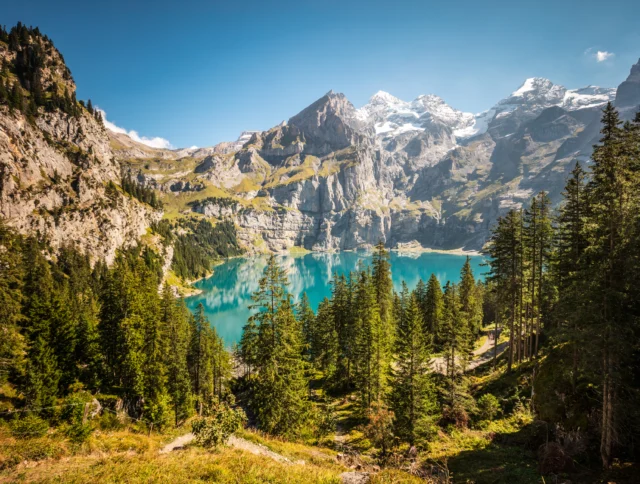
column 327, row 341
column 310, row 332
column 345, row 322
column 470, row 303
column 456, row 342
column 175, row 320
column 412, row 397
column 279, row 397
column 432, row 307
column 612, row 232
column 371, row 365
column 12, row 343
column 505, row 250
column 42, row 373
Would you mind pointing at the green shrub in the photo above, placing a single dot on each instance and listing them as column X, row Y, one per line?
column 221, row 421
column 324, row 422
column 488, row 406
column 78, row 432
column 379, row 430
column 110, row 421
column 30, row 426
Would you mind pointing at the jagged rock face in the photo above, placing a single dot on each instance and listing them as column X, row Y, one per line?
column 55, row 168
column 328, row 125
column 628, row 95
column 53, row 179
column 419, row 172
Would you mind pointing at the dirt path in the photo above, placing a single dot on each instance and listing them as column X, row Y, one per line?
column 258, row 449
column 178, row 443
column 480, row 356
column 237, row 442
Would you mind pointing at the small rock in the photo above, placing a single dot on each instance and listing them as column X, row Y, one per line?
column 355, row 477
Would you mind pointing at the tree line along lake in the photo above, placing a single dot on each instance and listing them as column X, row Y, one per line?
column 226, row 295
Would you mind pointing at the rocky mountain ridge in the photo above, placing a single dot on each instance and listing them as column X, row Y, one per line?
column 334, row 177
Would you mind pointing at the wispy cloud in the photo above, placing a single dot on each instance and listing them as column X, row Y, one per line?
column 155, row 142
column 602, row 56
column 599, row 55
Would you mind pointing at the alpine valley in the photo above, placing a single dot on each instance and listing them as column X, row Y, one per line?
column 332, row 177
column 342, row 362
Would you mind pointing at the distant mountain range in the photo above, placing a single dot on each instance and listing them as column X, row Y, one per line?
column 413, row 174
column 417, row 173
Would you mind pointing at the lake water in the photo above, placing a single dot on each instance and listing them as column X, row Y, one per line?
column 226, row 295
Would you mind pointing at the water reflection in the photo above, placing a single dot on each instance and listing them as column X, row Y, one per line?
column 226, row 295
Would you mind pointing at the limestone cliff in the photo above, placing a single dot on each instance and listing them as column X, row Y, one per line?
column 58, row 173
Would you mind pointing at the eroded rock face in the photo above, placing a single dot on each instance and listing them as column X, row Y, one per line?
column 628, row 95
column 53, row 180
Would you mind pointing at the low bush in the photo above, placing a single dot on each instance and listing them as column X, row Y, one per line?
column 221, row 421
column 30, row 426
column 488, row 406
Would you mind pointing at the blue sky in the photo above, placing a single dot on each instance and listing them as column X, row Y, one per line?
column 200, row 72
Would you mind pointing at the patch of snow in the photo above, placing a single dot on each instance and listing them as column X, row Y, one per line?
column 389, row 127
column 587, row 97
column 479, row 126
column 529, row 85
column 392, row 115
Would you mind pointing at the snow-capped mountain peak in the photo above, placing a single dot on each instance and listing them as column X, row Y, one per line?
column 536, row 90
column 392, row 116
column 384, row 98
column 533, row 84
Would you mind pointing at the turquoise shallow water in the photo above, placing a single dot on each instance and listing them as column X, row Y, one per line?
column 226, row 295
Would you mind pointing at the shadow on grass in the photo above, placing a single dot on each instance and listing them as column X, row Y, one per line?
column 505, row 460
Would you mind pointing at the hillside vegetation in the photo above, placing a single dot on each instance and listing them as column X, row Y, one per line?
column 531, row 375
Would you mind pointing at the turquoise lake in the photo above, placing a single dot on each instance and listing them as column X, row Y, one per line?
column 226, row 295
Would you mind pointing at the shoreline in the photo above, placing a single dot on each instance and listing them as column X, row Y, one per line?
column 299, row 251
column 460, row 251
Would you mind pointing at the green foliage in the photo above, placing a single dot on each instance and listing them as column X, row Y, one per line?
column 209, row 363
column 488, row 406
column 31, row 56
column 203, row 243
column 146, row 195
column 431, row 302
column 274, row 342
column 29, row 426
column 12, row 343
column 220, row 422
column 577, row 285
column 324, row 422
column 413, row 394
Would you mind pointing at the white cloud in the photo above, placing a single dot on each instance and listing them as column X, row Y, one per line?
column 194, row 147
column 602, row 56
column 155, row 142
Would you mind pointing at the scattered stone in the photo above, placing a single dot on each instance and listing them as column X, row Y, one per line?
column 355, row 477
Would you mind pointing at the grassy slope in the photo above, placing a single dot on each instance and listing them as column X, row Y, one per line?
column 126, row 456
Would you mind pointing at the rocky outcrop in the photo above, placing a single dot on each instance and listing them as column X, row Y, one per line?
column 58, row 173
column 53, row 180
column 628, row 94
